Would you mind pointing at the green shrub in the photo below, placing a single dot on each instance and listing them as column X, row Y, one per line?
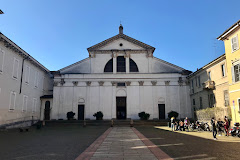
column 144, row 116
column 172, row 114
column 70, row 115
column 98, row 115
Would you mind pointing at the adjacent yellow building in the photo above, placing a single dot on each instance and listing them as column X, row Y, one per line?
column 231, row 42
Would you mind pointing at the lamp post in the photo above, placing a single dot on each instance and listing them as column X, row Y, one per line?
column 1, row 12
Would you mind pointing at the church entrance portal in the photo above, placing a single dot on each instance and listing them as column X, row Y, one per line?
column 161, row 110
column 80, row 112
column 121, row 107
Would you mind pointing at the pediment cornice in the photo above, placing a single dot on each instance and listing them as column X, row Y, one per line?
column 123, row 36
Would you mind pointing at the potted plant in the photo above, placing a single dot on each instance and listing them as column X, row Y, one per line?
column 70, row 115
column 144, row 116
column 98, row 115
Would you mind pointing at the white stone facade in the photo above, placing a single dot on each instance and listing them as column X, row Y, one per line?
column 86, row 83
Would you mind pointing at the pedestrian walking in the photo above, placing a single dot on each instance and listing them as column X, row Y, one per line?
column 173, row 123
column 214, row 128
column 226, row 126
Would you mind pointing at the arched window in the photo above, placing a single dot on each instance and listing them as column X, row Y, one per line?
column 121, row 64
column 133, row 66
column 109, row 66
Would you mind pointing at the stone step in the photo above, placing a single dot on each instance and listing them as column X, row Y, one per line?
column 107, row 122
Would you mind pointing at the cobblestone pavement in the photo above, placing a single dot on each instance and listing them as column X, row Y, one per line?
column 122, row 143
column 185, row 146
column 64, row 142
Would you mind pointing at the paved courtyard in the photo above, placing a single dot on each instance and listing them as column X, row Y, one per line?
column 63, row 142
column 185, row 146
column 69, row 142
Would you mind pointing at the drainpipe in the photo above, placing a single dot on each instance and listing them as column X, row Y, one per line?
column 20, row 91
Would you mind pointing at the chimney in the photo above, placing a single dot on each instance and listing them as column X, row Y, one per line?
column 120, row 29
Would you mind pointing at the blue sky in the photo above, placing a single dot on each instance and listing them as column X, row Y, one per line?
column 58, row 32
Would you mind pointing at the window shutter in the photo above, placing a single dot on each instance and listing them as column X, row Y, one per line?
column 233, row 75
column 236, row 42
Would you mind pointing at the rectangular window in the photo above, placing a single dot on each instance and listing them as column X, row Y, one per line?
column 2, row 53
column 194, row 102
column 200, row 100
column 27, row 74
column 15, row 68
column 196, row 81
column 121, row 64
column 121, row 84
column 34, row 106
column 199, row 81
column 211, row 100
column 237, row 72
column 223, row 70
column 209, row 76
column 192, row 87
column 234, row 42
column 36, row 80
column 25, row 100
column 12, row 100
column 226, row 98
column 239, row 104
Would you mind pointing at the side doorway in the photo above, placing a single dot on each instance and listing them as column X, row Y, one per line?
column 161, row 110
column 47, row 110
column 81, row 112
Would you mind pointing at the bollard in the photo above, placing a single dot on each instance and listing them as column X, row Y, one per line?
column 84, row 123
column 131, row 123
column 112, row 123
column 43, row 123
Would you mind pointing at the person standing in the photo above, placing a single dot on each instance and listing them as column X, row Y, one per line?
column 226, row 126
column 186, row 124
column 173, row 123
column 214, row 128
column 219, row 126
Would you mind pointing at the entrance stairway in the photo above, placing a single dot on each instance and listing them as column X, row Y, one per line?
column 118, row 123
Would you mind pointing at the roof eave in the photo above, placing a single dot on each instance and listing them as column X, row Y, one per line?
column 21, row 51
column 228, row 31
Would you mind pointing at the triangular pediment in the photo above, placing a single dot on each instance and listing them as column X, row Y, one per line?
column 126, row 41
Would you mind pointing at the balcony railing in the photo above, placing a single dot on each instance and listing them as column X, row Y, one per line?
column 209, row 85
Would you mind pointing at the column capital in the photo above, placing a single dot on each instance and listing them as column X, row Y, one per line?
column 113, row 83
column 128, row 83
column 55, row 83
column 140, row 83
column 75, row 83
column 100, row 83
column 154, row 83
column 62, row 81
column 88, row 83
column 167, row 83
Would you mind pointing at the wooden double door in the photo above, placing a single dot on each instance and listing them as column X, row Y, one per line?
column 121, row 107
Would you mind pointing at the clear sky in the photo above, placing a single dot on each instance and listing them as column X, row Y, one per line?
column 58, row 32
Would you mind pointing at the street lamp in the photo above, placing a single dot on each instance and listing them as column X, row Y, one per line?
column 1, row 12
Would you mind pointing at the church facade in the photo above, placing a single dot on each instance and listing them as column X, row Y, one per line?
column 121, row 78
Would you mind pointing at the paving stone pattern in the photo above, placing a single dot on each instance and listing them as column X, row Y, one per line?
column 123, row 144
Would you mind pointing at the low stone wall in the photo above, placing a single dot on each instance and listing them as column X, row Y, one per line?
column 217, row 112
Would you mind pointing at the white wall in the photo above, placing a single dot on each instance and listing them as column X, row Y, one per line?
column 103, row 98
column 9, row 84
